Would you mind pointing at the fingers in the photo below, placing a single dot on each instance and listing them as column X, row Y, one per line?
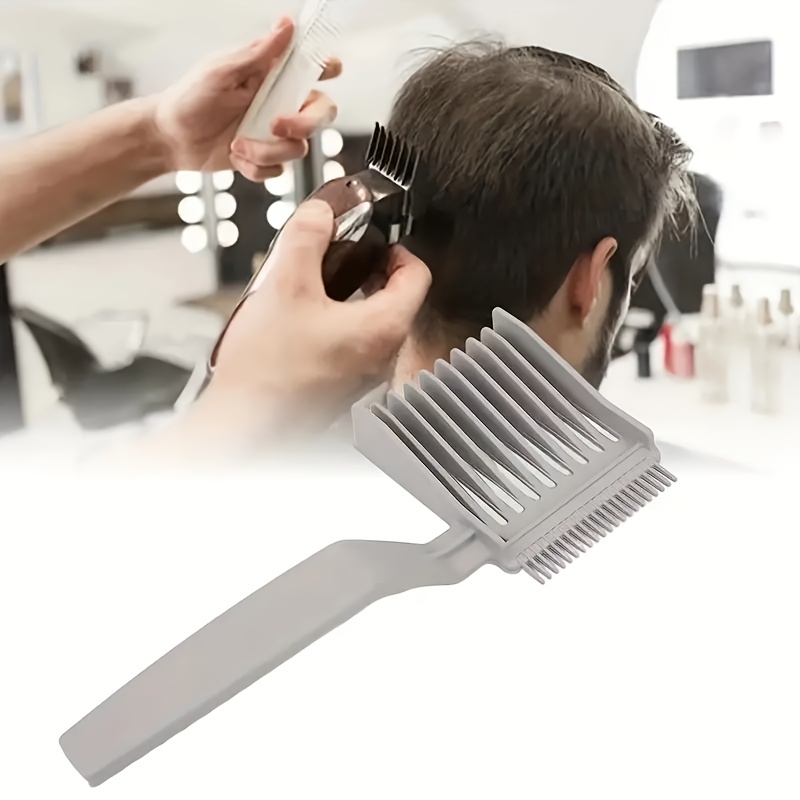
column 259, row 161
column 396, row 305
column 302, row 243
column 333, row 69
column 253, row 172
column 259, row 57
column 318, row 111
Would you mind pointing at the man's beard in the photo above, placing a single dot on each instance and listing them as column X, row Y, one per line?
column 596, row 366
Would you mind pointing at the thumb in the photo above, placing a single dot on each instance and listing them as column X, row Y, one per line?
column 399, row 302
column 296, row 261
column 259, row 57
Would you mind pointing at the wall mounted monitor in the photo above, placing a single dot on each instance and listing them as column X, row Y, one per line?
column 731, row 70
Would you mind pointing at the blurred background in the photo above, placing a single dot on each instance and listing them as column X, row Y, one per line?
column 710, row 354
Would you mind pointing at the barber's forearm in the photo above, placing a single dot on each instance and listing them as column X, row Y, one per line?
column 56, row 179
column 215, row 432
column 224, row 428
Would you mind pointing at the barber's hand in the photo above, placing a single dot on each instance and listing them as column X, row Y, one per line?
column 297, row 359
column 196, row 119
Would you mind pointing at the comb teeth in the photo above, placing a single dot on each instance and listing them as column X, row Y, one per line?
column 506, row 438
column 391, row 157
column 556, row 550
column 319, row 33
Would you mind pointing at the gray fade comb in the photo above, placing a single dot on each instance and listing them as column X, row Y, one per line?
column 524, row 460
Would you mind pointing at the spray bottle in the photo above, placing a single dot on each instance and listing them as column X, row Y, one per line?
column 712, row 350
column 766, row 362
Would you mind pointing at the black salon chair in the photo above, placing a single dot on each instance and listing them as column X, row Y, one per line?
column 99, row 397
column 686, row 263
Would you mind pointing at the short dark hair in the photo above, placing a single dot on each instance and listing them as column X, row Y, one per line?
column 532, row 158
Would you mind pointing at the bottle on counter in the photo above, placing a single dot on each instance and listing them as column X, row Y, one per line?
column 791, row 360
column 785, row 317
column 738, row 332
column 766, row 362
column 711, row 355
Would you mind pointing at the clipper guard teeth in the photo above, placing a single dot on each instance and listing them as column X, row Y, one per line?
column 391, row 157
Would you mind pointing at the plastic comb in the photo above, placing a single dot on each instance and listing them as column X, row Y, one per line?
column 525, row 461
column 288, row 84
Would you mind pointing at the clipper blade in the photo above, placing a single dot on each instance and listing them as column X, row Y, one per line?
column 394, row 159
column 507, row 438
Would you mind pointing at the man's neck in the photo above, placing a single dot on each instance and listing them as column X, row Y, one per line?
column 414, row 357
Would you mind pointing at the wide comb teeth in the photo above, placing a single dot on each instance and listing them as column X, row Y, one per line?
column 393, row 158
column 525, row 446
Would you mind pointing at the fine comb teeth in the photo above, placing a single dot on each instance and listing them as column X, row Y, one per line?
column 319, row 33
column 508, row 439
column 393, row 158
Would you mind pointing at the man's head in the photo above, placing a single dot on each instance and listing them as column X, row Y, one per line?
column 547, row 189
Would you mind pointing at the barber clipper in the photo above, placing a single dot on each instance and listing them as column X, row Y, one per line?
column 373, row 210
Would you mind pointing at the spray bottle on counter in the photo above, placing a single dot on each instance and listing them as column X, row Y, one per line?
column 766, row 357
column 711, row 356
column 785, row 317
column 738, row 331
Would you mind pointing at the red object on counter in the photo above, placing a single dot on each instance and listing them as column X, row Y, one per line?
column 678, row 353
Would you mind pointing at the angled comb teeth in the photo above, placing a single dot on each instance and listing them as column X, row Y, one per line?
column 391, row 157
column 518, row 442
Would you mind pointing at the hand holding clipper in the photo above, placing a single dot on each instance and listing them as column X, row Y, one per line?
column 372, row 211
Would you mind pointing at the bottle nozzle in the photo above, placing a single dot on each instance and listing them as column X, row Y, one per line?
column 785, row 303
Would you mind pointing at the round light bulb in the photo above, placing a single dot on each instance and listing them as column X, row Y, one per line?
column 282, row 185
column 331, row 142
column 331, row 170
column 191, row 210
column 223, row 180
column 279, row 212
column 225, row 205
column 189, row 182
column 227, row 233
column 194, row 238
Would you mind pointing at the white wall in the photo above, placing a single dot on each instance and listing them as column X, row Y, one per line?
column 64, row 95
column 759, row 177
column 49, row 44
column 690, row 23
column 377, row 45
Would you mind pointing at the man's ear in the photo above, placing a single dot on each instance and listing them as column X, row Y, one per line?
column 585, row 277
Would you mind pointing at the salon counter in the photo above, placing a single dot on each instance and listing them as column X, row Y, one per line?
column 677, row 415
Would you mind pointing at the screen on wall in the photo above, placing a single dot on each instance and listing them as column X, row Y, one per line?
column 731, row 70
